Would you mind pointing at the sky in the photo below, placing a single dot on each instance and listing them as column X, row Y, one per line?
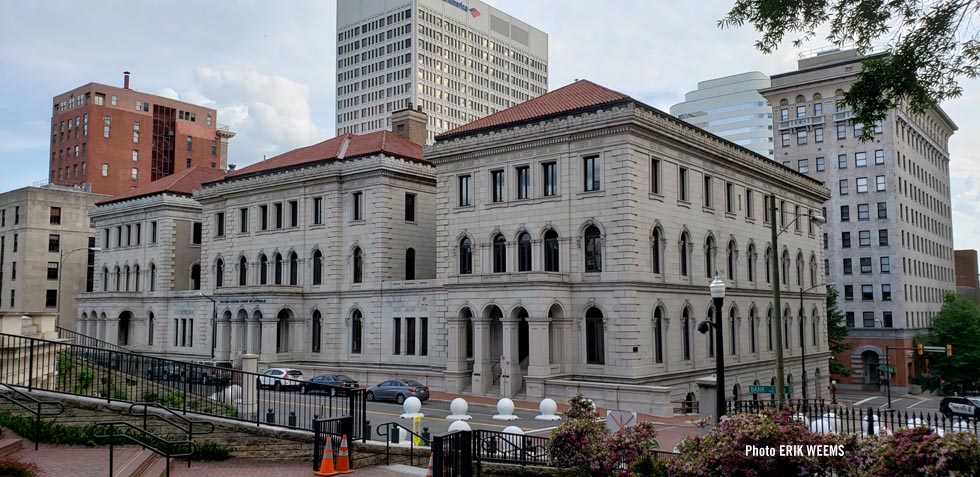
column 268, row 68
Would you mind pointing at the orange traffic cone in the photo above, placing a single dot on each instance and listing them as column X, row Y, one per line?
column 343, row 462
column 428, row 472
column 326, row 463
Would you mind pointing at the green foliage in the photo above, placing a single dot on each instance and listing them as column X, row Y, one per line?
column 150, row 396
column 84, row 380
column 836, row 333
column 172, row 400
column 958, row 324
column 629, row 445
column 932, row 45
column 10, row 467
column 580, row 407
column 580, row 444
column 209, row 450
column 50, row 432
column 650, row 467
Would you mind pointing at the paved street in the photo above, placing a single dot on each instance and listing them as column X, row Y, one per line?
column 905, row 402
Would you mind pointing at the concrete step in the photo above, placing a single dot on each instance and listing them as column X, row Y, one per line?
column 158, row 467
column 9, row 447
column 136, row 464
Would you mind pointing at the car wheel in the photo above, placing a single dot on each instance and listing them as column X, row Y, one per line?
column 369, row 396
column 400, row 399
column 278, row 386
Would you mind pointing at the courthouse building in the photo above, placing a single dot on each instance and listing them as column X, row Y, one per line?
column 564, row 244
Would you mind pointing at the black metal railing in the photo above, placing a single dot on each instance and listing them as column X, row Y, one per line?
column 452, row 454
column 332, row 430
column 187, row 388
column 822, row 417
column 148, row 440
column 85, row 340
column 181, row 423
column 391, row 432
column 505, row 448
column 34, row 406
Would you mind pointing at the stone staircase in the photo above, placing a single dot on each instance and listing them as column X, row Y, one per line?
column 10, row 447
column 144, row 463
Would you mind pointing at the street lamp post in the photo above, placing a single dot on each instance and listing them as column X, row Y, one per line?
column 803, row 341
column 61, row 271
column 717, row 288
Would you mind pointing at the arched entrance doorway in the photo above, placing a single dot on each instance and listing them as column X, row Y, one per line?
column 869, row 364
column 122, row 334
column 523, row 339
column 282, row 331
column 494, row 316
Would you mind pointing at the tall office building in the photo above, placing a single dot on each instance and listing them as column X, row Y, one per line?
column 889, row 233
column 732, row 108
column 459, row 61
column 110, row 140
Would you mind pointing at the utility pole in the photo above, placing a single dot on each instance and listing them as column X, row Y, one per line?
column 776, row 313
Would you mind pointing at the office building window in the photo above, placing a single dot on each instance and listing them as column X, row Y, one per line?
column 706, row 192
column 867, row 292
column 803, row 165
column 655, row 176
column 410, row 207
column 818, row 135
column 190, row 144
column 496, row 186
column 51, row 298
column 879, row 183
column 848, row 292
column 682, row 184
column 883, row 237
column 882, row 210
column 729, row 197
column 523, row 182
column 863, row 212
column 749, row 204
column 847, row 266
column 592, row 173
column 886, row 292
column 52, row 270
column 865, row 264
column 879, row 157
column 465, row 191
column 862, row 185
column 845, row 240
column 842, row 161
column 54, row 216
column 842, row 186
column 801, row 137
column 54, row 242
column 885, row 264
column 784, row 140
column 841, row 131
column 277, row 211
column 869, row 319
column 860, row 159
column 849, row 319
column 219, row 222
column 550, row 179
column 864, row 238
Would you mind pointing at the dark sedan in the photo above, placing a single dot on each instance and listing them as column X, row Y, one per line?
column 398, row 390
column 329, row 383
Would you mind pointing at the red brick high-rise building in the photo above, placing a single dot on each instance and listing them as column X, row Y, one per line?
column 111, row 140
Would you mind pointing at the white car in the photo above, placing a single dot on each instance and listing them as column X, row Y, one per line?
column 281, row 378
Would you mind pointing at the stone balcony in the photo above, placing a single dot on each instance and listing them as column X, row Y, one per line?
column 801, row 122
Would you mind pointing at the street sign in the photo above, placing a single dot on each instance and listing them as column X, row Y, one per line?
column 934, row 349
column 768, row 389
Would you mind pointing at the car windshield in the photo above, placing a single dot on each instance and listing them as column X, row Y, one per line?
column 343, row 377
column 975, row 401
column 409, row 382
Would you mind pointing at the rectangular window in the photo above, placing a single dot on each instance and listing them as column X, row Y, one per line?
column 865, row 264
column 465, row 191
column 592, row 173
column 867, row 292
column 849, row 319
column 820, row 164
column 801, row 137
column 784, row 140
column 706, row 192
column 54, row 242
column 136, row 155
column 862, row 185
column 136, row 132
column 864, row 238
column 858, row 129
column 153, row 232
column 842, row 161
column 847, row 266
column 682, row 184
column 496, row 186
column 51, row 298
column 293, row 213
column 882, row 210
column 190, row 144
column 357, row 206
column 115, row 100
column 655, row 176
column 139, row 233
column 749, row 204
column 188, row 163
column 869, row 319
column 729, row 197
column 848, row 292
column 841, row 131
column 880, row 183
column 845, row 240
column 882, row 237
column 818, row 109
column 784, row 114
column 13, row 271
column 796, row 217
column 818, row 135
column 397, row 335
column 410, row 207
column 863, row 212
column 523, row 182
column 277, row 210
column 885, row 264
column 410, row 336
column 423, row 336
column 803, row 165
column 105, row 170
column 879, row 157
column 106, row 124
column 550, row 173
column 99, row 99
column 886, row 318
column 196, row 234
column 886, row 292
column 860, row 159
column 243, row 220
column 54, row 216
column 134, row 174
column 52, row 270
column 842, row 186
column 219, row 222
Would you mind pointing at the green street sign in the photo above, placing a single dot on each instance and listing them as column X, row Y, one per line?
column 768, row 389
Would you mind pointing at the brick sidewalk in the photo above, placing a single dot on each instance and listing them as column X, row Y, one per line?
column 74, row 461
column 247, row 468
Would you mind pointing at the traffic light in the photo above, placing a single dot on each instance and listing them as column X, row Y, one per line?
column 921, row 349
column 949, row 350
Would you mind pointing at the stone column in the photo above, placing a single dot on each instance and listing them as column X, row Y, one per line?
column 222, row 348
column 249, row 404
column 511, row 378
column 110, row 331
column 235, row 347
column 251, row 336
column 482, row 377
column 456, row 368
column 706, row 400
column 267, row 349
column 538, row 362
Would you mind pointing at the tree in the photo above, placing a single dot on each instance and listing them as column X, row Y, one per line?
column 932, row 44
column 957, row 324
column 836, row 333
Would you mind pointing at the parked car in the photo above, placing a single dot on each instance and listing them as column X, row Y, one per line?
column 281, row 378
column 166, row 372
column 216, row 373
column 328, row 383
column 398, row 390
column 960, row 406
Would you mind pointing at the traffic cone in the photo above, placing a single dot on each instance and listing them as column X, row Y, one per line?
column 428, row 472
column 343, row 462
column 326, row 463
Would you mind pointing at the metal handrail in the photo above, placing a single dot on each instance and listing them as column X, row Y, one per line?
column 38, row 413
column 163, row 453
column 189, row 430
column 411, row 455
column 65, row 333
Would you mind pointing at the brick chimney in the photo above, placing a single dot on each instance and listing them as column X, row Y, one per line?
column 125, row 79
column 411, row 124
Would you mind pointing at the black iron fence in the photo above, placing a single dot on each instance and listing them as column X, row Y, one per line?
column 37, row 407
column 504, row 448
column 824, row 418
column 451, row 454
column 113, row 375
column 395, row 433
column 84, row 340
column 115, row 431
column 330, row 431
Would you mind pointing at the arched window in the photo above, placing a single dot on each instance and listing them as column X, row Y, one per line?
column 150, row 330
column 263, row 269
column 768, row 264
column 750, row 262
column 317, row 267
column 524, row 252
column 709, row 257
column 732, row 334
column 799, row 269
column 658, row 335
column 686, row 333
column 465, row 256
column 594, row 339
column 317, row 332
column 787, row 317
column 499, row 254
column 293, row 268
column 136, row 278
column 358, row 265
column 593, row 250
column 277, row 275
column 752, row 330
column 242, row 271
column 813, row 328
column 118, row 279
column 410, row 264
column 153, row 277
column 732, row 259
column 802, row 328
column 551, row 260
column 813, row 270
column 219, row 273
column 685, row 257
column 657, row 244
column 196, row 276
column 785, row 266
column 771, row 330
column 128, row 276
column 356, row 326
column 105, row 279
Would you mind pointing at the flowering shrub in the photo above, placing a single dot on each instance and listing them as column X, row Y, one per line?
column 580, row 444
column 580, row 407
column 629, row 445
column 921, row 452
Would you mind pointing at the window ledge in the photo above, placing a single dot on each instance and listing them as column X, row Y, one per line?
column 657, row 197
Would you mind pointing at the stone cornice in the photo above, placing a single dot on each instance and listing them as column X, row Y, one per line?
column 146, row 205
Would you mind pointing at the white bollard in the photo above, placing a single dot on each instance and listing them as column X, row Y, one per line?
column 413, row 408
column 458, row 408
column 505, row 410
column 800, row 417
column 512, row 442
column 821, row 426
column 548, row 407
column 459, row 426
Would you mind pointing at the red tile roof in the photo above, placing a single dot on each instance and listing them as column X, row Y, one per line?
column 184, row 182
column 582, row 94
column 347, row 146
